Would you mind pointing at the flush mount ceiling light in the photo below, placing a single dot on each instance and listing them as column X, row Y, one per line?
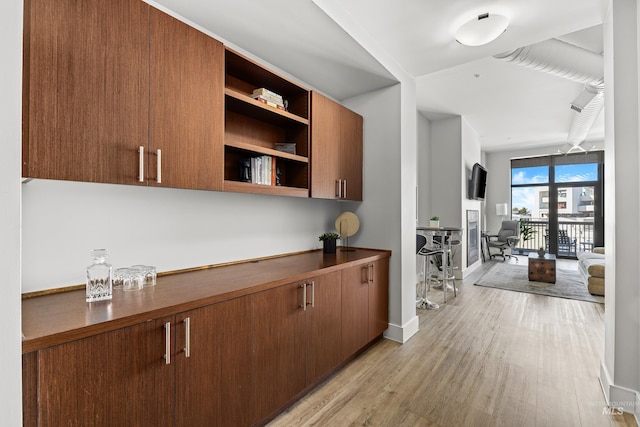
column 482, row 29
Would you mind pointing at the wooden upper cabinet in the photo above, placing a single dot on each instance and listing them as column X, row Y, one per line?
column 351, row 140
column 325, row 149
column 85, row 89
column 336, row 150
column 186, row 106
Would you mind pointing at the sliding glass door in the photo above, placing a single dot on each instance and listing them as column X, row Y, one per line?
column 559, row 201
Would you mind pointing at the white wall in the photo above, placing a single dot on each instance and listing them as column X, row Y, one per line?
column 423, row 156
column 169, row 228
column 381, row 212
column 620, row 370
column 403, row 137
column 471, row 154
column 423, row 161
column 10, row 160
column 455, row 147
column 446, row 179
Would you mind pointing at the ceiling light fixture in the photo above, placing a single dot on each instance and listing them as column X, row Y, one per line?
column 482, row 29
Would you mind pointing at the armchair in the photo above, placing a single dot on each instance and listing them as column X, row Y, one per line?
column 507, row 238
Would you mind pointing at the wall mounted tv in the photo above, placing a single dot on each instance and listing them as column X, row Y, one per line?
column 478, row 185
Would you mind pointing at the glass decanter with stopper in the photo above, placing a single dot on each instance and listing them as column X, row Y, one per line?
column 99, row 277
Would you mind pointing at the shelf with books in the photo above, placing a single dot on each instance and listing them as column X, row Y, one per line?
column 264, row 111
column 261, row 173
column 246, row 187
column 243, row 76
column 244, row 104
column 267, row 151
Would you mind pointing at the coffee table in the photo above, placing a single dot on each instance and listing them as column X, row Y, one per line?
column 542, row 269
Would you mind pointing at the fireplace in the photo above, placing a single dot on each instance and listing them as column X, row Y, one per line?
column 473, row 250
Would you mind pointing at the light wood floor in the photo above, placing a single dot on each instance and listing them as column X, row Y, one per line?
column 486, row 358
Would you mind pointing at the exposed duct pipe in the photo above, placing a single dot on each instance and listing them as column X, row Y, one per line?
column 570, row 62
column 585, row 118
column 560, row 59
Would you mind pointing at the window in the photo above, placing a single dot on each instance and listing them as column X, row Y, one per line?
column 576, row 173
column 560, row 195
column 530, row 175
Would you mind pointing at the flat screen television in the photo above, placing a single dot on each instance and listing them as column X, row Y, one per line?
column 478, row 183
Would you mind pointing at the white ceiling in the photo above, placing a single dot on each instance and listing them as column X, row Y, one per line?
column 506, row 104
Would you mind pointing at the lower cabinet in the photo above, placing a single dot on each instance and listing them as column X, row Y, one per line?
column 195, row 366
column 214, row 365
column 365, row 302
column 114, row 378
column 323, row 326
column 297, row 326
column 237, row 362
column 378, row 299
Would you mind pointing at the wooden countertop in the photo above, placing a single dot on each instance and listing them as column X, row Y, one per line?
column 61, row 317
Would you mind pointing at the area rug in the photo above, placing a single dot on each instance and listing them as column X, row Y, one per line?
column 516, row 278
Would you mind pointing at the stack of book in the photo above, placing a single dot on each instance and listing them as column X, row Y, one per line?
column 259, row 170
column 272, row 99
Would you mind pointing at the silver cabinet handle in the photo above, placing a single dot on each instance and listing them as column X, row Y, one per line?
column 187, row 339
column 304, row 296
column 371, row 274
column 159, row 154
column 364, row 279
column 141, row 163
column 344, row 191
column 167, row 343
column 313, row 293
column 338, row 188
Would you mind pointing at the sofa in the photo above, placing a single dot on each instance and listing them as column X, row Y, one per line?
column 591, row 267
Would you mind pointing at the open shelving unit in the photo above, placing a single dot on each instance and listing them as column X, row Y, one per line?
column 252, row 128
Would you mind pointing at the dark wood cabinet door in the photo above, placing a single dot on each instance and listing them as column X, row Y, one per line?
column 279, row 347
column 351, row 153
column 215, row 371
column 30, row 389
column 85, row 89
column 186, row 106
column 378, row 298
column 325, row 147
column 336, row 147
column 355, row 309
column 323, row 325
column 117, row 378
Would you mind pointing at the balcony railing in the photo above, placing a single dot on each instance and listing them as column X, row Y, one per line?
column 573, row 237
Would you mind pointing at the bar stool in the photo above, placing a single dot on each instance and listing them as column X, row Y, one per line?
column 448, row 244
column 426, row 252
column 451, row 244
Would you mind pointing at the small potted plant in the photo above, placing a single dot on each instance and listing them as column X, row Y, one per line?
column 434, row 221
column 329, row 242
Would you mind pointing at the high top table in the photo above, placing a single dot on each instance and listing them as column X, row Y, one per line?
column 444, row 233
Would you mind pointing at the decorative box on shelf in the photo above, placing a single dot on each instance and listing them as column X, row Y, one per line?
column 286, row 147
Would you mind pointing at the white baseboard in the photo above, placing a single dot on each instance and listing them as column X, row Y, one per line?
column 403, row 333
column 470, row 269
column 618, row 397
